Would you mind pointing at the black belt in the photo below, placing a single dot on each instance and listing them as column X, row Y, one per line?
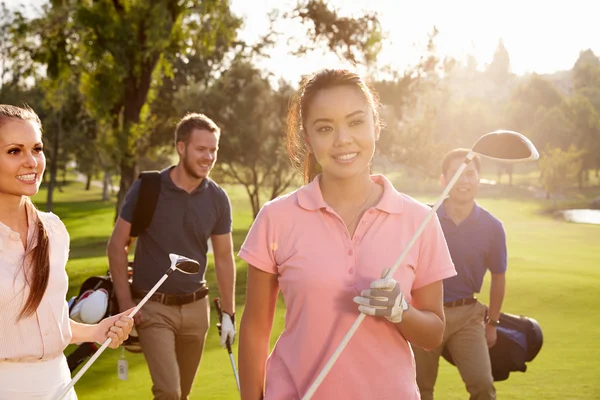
column 172, row 299
column 460, row 302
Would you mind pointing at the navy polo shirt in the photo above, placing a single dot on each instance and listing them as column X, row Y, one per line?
column 182, row 224
column 476, row 245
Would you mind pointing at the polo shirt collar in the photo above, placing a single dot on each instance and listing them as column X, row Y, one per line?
column 311, row 198
column 473, row 216
column 168, row 182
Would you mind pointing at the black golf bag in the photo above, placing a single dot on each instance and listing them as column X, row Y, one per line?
column 519, row 341
column 85, row 350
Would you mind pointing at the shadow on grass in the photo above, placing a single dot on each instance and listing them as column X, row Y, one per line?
column 89, row 246
column 81, row 209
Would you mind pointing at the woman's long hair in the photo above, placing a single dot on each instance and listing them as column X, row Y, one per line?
column 38, row 275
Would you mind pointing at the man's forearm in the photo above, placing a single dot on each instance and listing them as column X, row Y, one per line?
column 225, row 269
column 497, row 290
column 118, row 262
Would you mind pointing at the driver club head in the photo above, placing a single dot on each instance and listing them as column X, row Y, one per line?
column 184, row 264
column 506, row 146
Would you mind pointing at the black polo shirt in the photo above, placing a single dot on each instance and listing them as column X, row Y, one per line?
column 182, row 224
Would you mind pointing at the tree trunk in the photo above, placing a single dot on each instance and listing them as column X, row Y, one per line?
column 88, row 181
column 54, row 164
column 128, row 174
column 255, row 200
column 106, row 186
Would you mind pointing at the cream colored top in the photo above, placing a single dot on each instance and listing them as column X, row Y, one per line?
column 45, row 334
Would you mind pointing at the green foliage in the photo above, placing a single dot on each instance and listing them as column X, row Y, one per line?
column 357, row 40
column 559, row 168
column 252, row 117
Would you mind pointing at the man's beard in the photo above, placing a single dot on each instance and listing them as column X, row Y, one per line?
column 187, row 167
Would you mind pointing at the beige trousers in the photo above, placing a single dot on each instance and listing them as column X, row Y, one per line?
column 172, row 339
column 465, row 338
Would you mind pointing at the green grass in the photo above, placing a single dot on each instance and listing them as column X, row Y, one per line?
column 553, row 276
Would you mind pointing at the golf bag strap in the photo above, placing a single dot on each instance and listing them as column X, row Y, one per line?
column 146, row 202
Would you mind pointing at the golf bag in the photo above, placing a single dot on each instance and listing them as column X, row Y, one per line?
column 519, row 341
column 142, row 217
column 85, row 350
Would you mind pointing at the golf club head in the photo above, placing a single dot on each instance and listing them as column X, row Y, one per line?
column 506, row 146
column 184, row 264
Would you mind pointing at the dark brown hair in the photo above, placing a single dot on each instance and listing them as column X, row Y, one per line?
column 37, row 278
column 458, row 154
column 192, row 121
column 300, row 102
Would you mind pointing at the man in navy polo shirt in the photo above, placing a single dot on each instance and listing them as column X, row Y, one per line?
column 191, row 209
column 477, row 243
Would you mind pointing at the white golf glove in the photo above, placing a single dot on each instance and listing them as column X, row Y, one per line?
column 227, row 330
column 383, row 299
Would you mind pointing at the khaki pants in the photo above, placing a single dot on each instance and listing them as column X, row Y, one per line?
column 465, row 337
column 172, row 339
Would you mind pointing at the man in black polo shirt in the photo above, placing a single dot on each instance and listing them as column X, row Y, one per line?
column 477, row 243
column 191, row 208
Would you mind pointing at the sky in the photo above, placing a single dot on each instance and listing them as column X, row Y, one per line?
column 540, row 36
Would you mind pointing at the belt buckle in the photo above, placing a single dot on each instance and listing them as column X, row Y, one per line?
column 161, row 298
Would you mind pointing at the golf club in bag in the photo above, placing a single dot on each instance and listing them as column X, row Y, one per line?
column 220, row 312
column 178, row 263
column 502, row 145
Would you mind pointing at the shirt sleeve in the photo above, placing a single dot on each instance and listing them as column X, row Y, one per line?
column 435, row 262
column 130, row 201
column 260, row 245
column 224, row 220
column 497, row 257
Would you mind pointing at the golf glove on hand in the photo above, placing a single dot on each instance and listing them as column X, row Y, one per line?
column 383, row 299
column 227, row 330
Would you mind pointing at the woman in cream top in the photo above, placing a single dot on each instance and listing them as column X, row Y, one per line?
column 34, row 318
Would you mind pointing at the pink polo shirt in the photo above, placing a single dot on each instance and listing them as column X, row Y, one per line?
column 45, row 334
column 320, row 269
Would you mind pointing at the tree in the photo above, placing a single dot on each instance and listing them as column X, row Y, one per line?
column 585, row 121
column 524, row 103
column 411, row 101
column 357, row 40
column 499, row 68
column 129, row 47
column 252, row 117
column 559, row 168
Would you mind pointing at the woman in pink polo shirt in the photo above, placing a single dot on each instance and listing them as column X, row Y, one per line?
column 325, row 247
column 34, row 318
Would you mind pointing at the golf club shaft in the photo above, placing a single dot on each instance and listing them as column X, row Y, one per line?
column 235, row 373
column 361, row 316
column 109, row 340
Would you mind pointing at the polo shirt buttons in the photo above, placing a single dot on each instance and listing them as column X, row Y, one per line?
column 350, row 252
column 351, row 271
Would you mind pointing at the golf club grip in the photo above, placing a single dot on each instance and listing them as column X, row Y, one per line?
column 220, row 312
column 361, row 316
column 218, row 308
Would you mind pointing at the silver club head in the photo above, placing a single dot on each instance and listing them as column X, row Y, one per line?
column 184, row 264
column 506, row 146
